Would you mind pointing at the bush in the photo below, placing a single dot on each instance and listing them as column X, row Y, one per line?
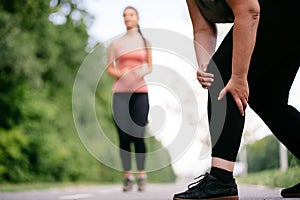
column 264, row 154
column 14, row 163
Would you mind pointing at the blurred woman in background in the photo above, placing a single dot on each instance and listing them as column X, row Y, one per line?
column 127, row 57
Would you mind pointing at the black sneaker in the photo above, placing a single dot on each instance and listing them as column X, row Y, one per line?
column 291, row 191
column 209, row 188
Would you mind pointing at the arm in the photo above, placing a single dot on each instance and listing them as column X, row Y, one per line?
column 205, row 36
column 141, row 72
column 244, row 36
column 111, row 69
column 149, row 59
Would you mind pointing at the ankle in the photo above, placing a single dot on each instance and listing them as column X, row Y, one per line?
column 222, row 175
column 142, row 174
column 128, row 174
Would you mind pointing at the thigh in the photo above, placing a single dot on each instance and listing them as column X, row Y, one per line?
column 139, row 108
column 221, row 61
column 275, row 60
column 121, row 114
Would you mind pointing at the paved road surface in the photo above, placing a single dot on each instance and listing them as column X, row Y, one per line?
column 113, row 192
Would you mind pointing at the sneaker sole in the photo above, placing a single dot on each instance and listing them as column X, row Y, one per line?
column 291, row 195
column 216, row 198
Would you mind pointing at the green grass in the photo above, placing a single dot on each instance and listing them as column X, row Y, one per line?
column 153, row 177
column 272, row 178
column 10, row 187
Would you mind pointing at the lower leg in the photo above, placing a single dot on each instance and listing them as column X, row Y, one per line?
column 225, row 149
column 140, row 159
column 222, row 169
column 289, row 133
column 284, row 122
column 125, row 154
column 140, row 151
column 140, row 154
column 125, row 150
column 225, row 141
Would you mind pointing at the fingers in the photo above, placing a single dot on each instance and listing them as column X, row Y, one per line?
column 205, row 79
column 240, row 106
column 125, row 71
column 222, row 94
column 244, row 102
column 241, row 103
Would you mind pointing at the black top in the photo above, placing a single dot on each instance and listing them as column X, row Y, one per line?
column 216, row 11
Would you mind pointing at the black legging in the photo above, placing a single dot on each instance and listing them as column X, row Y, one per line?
column 130, row 113
column 274, row 65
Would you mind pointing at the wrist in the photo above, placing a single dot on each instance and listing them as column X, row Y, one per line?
column 239, row 76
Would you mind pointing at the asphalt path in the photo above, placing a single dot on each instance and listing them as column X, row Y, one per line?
column 114, row 192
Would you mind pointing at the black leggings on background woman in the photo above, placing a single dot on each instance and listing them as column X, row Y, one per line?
column 131, row 129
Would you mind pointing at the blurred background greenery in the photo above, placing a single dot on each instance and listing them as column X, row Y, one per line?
column 39, row 62
column 263, row 162
column 264, row 155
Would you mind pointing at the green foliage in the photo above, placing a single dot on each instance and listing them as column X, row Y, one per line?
column 264, row 154
column 272, row 177
column 39, row 62
column 14, row 164
column 165, row 174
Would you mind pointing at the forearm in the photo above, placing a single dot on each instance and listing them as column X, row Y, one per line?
column 143, row 70
column 205, row 45
column 204, row 32
column 147, row 67
column 113, row 72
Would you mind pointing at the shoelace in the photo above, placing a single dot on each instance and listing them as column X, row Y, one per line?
column 201, row 180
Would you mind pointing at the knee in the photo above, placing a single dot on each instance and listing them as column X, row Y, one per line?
column 140, row 146
column 124, row 144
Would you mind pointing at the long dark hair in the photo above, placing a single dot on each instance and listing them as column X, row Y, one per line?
column 138, row 26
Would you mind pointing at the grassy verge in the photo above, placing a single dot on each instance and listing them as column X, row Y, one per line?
column 153, row 177
column 9, row 187
column 273, row 178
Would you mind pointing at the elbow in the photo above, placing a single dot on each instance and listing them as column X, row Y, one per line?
column 205, row 30
column 248, row 15
column 109, row 71
column 254, row 15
